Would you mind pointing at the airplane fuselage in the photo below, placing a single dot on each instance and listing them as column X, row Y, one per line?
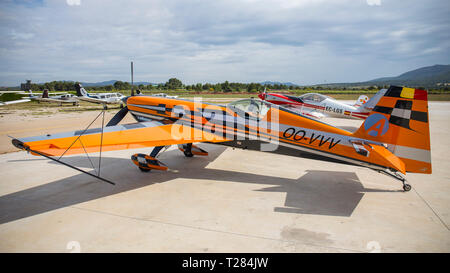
column 293, row 133
column 325, row 107
column 108, row 98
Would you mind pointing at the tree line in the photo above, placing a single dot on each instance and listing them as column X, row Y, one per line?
column 174, row 84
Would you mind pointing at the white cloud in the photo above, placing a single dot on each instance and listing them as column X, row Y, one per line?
column 254, row 40
column 21, row 35
column 373, row 2
column 73, row 2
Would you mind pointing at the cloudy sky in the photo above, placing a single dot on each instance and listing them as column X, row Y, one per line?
column 300, row 41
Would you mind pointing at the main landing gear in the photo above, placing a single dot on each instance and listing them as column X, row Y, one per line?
column 406, row 186
column 146, row 163
column 186, row 149
column 189, row 150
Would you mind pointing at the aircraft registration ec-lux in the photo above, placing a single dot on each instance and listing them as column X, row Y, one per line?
column 393, row 140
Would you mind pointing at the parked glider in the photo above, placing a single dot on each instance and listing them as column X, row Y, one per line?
column 318, row 106
column 100, row 98
column 393, row 140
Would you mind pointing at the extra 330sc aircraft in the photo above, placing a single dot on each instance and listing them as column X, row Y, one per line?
column 393, row 140
column 318, row 105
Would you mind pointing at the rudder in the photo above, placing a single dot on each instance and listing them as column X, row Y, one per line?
column 400, row 120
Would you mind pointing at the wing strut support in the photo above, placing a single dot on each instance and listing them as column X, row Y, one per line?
column 18, row 144
column 21, row 145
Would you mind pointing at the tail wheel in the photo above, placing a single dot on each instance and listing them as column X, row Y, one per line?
column 406, row 187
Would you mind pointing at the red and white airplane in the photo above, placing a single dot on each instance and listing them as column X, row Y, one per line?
column 318, row 106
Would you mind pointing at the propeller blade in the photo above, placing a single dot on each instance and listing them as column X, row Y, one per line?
column 118, row 117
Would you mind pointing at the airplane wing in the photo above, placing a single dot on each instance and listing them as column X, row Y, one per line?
column 119, row 137
column 13, row 102
column 56, row 100
column 14, row 92
column 94, row 100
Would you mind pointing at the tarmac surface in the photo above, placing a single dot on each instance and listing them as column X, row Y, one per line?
column 230, row 201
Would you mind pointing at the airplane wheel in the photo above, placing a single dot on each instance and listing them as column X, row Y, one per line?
column 406, row 187
column 188, row 154
column 144, row 170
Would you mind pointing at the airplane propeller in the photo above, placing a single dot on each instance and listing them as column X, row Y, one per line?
column 123, row 112
column 118, row 117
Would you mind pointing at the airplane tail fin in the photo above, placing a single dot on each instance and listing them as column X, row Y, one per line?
column 372, row 102
column 263, row 94
column 400, row 119
column 45, row 93
column 361, row 101
column 81, row 92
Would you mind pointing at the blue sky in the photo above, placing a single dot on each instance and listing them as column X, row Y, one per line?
column 300, row 41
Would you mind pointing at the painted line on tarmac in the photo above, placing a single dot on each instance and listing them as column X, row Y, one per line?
column 431, row 208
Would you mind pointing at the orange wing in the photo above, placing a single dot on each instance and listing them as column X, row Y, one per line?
column 120, row 137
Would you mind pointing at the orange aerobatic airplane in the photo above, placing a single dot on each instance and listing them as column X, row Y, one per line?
column 394, row 139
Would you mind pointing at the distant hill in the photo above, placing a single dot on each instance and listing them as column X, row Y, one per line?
column 279, row 83
column 429, row 76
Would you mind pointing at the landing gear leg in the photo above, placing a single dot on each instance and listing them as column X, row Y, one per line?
column 406, row 186
column 156, row 151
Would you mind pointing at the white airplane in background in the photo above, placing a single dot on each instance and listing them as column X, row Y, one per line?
column 64, row 98
column 164, row 95
column 100, row 98
column 318, row 106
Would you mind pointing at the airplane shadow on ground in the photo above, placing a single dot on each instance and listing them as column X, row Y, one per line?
column 317, row 192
